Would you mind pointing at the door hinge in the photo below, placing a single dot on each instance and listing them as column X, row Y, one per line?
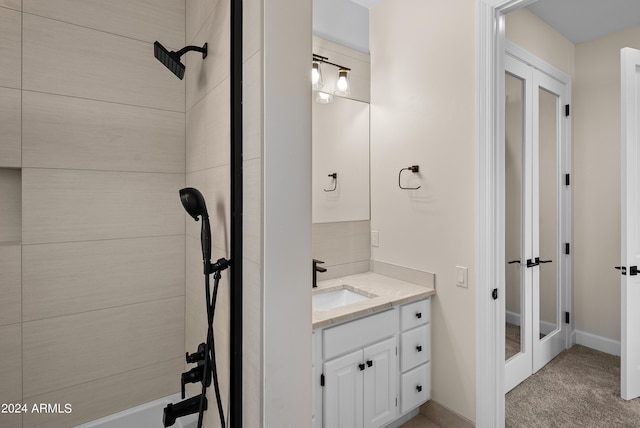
column 567, row 318
column 567, row 110
column 494, row 294
column 567, row 248
column 567, row 179
column 322, row 379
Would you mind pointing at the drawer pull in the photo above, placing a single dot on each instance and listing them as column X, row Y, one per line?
column 419, row 348
column 369, row 363
column 361, row 366
column 419, row 388
column 418, row 315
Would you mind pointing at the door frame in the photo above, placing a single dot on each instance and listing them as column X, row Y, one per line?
column 490, row 316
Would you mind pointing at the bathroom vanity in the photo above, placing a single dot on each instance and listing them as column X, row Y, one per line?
column 371, row 358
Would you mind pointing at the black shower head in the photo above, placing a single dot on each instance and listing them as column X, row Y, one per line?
column 171, row 60
column 193, row 203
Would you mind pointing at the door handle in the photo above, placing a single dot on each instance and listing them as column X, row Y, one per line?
column 531, row 263
column 513, row 261
column 543, row 261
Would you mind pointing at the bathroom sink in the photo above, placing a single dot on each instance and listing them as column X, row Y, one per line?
column 324, row 301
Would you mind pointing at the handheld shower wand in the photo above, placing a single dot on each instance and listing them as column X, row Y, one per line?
column 193, row 202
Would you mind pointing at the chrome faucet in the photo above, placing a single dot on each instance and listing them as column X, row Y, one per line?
column 317, row 269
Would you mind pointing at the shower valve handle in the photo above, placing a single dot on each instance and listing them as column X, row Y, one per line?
column 197, row 356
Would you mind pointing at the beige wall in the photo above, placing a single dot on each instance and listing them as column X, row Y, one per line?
column 423, row 112
column 92, row 248
column 531, row 33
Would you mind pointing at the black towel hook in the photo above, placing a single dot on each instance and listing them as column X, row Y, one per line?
column 335, row 182
column 412, row 168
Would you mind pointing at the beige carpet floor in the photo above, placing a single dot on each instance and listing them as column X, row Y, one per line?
column 578, row 388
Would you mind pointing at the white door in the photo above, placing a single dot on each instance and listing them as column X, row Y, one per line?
column 536, row 212
column 343, row 391
column 630, row 239
column 380, row 383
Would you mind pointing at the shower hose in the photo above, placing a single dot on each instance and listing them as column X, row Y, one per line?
column 210, row 351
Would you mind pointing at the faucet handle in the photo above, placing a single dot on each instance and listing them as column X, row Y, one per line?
column 317, row 262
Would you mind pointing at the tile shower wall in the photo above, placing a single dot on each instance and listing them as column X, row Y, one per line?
column 92, row 240
column 208, row 169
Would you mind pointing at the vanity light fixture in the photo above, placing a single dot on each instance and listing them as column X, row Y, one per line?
column 343, row 86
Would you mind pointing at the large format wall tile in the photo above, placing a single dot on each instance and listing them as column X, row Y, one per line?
column 10, row 205
column 70, row 350
column 92, row 64
column 102, row 397
column 197, row 12
column 68, row 132
column 10, row 124
column 71, row 205
column 11, row 367
column 10, row 37
column 11, row 4
column 202, row 75
column 10, row 290
column 161, row 20
column 207, row 130
column 61, row 279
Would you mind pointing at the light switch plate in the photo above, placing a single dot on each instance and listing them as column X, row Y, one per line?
column 375, row 238
column 462, row 276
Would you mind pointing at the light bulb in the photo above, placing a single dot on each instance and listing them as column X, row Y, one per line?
column 316, row 76
column 342, row 84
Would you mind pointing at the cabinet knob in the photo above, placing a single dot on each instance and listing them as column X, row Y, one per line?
column 419, row 348
column 369, row 363
column 361, row 366
column 419, row 388
column 418, row 315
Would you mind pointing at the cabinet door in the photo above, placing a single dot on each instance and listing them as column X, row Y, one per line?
column 343, row 391
column 380, row 374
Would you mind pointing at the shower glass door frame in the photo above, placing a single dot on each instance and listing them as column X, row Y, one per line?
column 543, row 262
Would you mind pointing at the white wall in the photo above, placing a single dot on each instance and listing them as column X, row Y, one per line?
column 287, row 213
column 423, row 112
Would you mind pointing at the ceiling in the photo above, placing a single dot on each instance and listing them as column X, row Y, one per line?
column 583, row 20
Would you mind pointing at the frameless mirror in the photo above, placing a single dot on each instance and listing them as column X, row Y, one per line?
column 340, row 161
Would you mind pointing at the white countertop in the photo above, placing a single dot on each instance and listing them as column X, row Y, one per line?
column 383, row 290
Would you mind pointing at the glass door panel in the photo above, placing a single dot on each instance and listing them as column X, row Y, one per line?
column 548, row 111
column 514, row 140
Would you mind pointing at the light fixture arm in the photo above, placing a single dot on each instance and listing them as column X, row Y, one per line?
column 323, row 59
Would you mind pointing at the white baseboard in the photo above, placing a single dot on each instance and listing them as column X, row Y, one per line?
column 598, row 343
column 512, row 318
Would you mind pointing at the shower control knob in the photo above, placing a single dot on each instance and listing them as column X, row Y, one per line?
column 197, row 356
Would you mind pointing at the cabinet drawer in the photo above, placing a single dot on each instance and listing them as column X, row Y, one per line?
column 359, row 333
column 415, row 347
column 415, row 387
column 415, row 314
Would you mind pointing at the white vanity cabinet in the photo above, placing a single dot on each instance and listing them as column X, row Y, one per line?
column 369, row 371
column 415, row 354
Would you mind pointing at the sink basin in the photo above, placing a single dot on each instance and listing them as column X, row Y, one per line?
column 336, row 298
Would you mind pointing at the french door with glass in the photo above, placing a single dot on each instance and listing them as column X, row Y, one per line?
column 537, row 219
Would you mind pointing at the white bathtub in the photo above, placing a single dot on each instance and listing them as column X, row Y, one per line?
column 147, row 415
